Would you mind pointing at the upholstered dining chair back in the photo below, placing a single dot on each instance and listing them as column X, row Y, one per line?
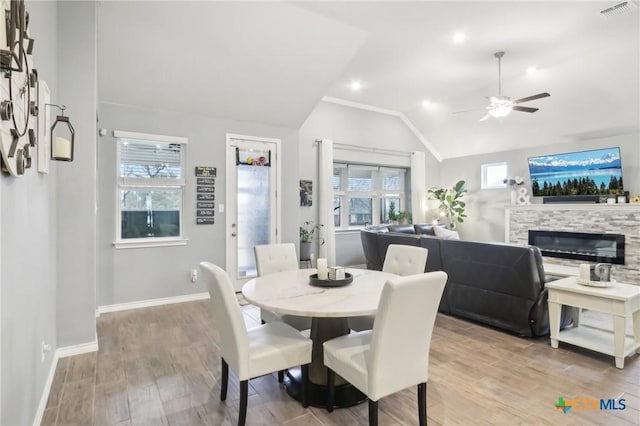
column 234, row 341
column 272, row 258
column 405, row 260
column 400, row 260
column 405, row 319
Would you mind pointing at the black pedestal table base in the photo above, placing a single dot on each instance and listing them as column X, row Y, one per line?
column 346, row 395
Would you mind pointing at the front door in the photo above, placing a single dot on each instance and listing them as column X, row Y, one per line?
column 252, row 202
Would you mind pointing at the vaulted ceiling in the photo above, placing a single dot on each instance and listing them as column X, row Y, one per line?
column 272, row 62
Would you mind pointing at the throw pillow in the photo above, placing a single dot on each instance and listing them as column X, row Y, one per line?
column 446, row 234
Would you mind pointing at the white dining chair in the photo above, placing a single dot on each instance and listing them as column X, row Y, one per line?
column 271, row 258
column 401, row 260
column 251, row 353
column 395, row 354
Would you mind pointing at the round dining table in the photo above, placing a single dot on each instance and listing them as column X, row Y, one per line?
column 291, row 292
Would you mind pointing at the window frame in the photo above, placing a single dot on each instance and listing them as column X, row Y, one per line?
column 484, row 171
column 149, row 184
column 377, row 193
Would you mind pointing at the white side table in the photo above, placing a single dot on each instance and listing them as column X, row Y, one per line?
column 619, row 300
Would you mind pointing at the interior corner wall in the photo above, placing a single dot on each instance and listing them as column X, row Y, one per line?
column 486, row 207
column 362, row 128
column 27, row 253
column 76, row 181
column 131, row 275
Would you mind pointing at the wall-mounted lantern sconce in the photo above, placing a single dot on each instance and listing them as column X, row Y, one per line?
column 61, row 146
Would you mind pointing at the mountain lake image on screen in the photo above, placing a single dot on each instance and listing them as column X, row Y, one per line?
column 594, row 172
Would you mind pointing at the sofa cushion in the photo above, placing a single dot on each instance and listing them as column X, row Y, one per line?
column 404, row 229
column 446, row 234
column 369, row 240
column 424, row 229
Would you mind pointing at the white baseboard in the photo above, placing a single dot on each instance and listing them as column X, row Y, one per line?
column 60, row 353
column 151, row 302
column 45, row 392
column 82, row 348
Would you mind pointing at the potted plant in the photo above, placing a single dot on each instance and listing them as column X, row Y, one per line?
column 307, row 236
column 404, row 218
column 451, row 206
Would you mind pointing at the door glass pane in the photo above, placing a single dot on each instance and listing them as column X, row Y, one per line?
column 360, row 211
column 253, row 212
column 336, row 211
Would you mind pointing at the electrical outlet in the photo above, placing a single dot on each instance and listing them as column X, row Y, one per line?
column 46, row 347
column 194, row 275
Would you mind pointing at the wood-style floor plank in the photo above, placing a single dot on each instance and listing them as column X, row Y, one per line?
column 161, row 366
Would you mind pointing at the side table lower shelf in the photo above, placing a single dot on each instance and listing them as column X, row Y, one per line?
column 594, row 339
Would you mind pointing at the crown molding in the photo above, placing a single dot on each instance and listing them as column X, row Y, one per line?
column 393, row 113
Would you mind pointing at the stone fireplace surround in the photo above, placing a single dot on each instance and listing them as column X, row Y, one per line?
column 606, row 218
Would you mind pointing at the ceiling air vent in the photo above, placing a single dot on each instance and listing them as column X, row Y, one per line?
column 618, row 9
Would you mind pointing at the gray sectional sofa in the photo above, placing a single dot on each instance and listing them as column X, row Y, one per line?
column 500, row 285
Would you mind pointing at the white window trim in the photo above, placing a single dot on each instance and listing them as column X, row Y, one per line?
column 119, row 134
column 483, row 175
column 129, row 243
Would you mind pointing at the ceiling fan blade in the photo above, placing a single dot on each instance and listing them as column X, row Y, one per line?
column 485, row 117
column 531, row 98
column 523, row 109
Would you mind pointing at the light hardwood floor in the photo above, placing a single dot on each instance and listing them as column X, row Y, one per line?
column 160, row 366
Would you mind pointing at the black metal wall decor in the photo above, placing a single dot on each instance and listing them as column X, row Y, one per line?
column 62, row 147
column 18, row 90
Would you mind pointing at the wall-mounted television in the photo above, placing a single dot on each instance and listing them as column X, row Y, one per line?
column 594, row 172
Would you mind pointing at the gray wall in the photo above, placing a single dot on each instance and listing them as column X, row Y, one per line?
column 362, row 128
column 27, row 253
column 126, row 275
column 76, row 182
column 485, row 207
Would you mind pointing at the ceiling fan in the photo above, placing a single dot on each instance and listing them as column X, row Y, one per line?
column 501, row 106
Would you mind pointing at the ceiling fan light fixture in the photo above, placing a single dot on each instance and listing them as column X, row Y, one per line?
column 499, row 112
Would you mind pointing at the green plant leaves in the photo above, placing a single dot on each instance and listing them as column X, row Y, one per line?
column 450, row 202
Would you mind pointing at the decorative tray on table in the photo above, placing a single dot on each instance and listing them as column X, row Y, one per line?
column 595, row 283
column 314, row 280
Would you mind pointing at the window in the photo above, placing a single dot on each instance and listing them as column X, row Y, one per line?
column 150, row 188
column 493, row 175
column 366, row 193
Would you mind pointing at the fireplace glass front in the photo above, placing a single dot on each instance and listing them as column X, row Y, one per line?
column 607, row 248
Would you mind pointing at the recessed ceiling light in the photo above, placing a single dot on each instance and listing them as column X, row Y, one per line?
column 459, row 37
column 429, row 104
column 356, row 85
column 532, row 70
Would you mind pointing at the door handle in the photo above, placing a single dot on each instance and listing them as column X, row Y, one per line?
column 233, row 234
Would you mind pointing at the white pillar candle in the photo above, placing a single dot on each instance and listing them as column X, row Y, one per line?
column 585, row 271
column 62, row 149
column 323, row 272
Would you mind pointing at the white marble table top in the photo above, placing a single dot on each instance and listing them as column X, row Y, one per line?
column 290, row 293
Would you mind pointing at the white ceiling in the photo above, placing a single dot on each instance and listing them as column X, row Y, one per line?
column 271, row 62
